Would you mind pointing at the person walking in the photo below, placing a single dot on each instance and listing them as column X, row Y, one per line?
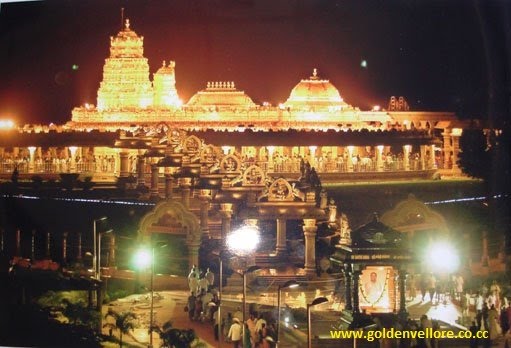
column 235, row 333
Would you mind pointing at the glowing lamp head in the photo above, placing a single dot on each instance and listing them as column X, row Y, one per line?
column 142, row 259
column 6, row 124
column 244, row 240
column 443, row 258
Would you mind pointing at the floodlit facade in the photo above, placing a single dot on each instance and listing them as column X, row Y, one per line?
column 315, row 124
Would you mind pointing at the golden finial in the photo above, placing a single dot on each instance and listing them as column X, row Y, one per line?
column 232, row 84
column 172, row 64
column 315, row 72
column 208, row 85
column 163, row 65
column 127, row 24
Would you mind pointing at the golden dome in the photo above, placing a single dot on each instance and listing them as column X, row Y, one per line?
column 315, row 93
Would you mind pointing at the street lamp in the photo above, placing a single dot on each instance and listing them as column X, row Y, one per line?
column 143, row 259
column 95, row 255
column 317, row 301
column 98, row 270
column 290, row 284
column 243, row 242
column 443, row 257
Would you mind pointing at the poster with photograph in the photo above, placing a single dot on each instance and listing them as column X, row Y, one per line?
column 375, row 288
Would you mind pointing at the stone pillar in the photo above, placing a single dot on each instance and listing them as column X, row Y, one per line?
column 349, row 164
column 226, row 213
column 447, row 147
column 32, row 246
column 185, row 184
column 332, row 213
column 281, row 246
column 154, row 181
column 485, row 259
column 379, row 158
column 271, row 150
column 18, row 243
column 356, row 300
column 193, row 254
column 111, row 251
column 402, row 293
column 48, row 246
column 205, row 199
column 64, row 248
column 406, row 157
column 347, row 287
column 140, row 171
column 125, row 164
column 432, row 160
column 169, row 186
column 455, row 153
column 72, row 162
column 309, row 231
column 31, row 163
column 79, row 254
column 423, row 157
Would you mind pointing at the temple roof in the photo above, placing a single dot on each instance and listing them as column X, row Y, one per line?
column 167, row 69
column 221, row 94
column 126, row 43
column 375, row 234
column 315, row 93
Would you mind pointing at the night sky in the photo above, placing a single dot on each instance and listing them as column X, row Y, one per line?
column 451, row 55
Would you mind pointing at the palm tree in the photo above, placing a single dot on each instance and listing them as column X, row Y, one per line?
column 124, row 322
column 75, row 311
column 175, row 338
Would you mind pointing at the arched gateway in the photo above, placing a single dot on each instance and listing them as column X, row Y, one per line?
column 173, row 218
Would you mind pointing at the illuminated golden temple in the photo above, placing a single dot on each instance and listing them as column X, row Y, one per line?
column 228, row 157
column 314, row 124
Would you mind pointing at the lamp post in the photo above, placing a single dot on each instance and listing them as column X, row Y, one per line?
column 243, row 243
column 144, row 259
column 95, row 255
column 290, row 284
column 317, row 301
column 98, row 270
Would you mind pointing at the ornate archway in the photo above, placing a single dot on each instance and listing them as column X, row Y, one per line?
column 172, row 218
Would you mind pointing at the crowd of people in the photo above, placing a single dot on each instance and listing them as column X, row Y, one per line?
column 203, row 303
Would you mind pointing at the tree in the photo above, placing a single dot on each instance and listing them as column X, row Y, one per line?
column 475, row 154
column 124, row 322
column 78, row 313
column 175, row 338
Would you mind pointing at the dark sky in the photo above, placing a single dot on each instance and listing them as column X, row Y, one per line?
column 451, row 55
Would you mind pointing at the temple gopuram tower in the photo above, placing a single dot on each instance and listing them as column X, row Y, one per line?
column 126, row 81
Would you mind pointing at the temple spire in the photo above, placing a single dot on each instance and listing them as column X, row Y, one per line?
column 122, row 16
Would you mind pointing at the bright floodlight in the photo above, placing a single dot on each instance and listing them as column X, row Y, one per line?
column 243, row 240
column 443, row 258
column 142, row 259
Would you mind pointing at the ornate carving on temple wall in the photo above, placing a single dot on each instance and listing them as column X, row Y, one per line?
column 230, row 164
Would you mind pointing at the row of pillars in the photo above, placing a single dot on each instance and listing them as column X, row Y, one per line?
column 48, row 241
column 309, row 230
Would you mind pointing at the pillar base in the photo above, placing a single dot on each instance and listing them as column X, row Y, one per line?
column 310, row 271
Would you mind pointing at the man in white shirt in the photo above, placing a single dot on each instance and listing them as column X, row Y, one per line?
column 235, row 333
